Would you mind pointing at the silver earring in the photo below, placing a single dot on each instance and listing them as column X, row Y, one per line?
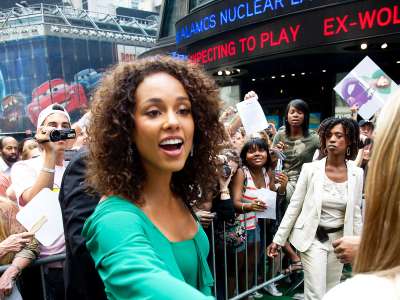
column 348, row 151
column 191, row 151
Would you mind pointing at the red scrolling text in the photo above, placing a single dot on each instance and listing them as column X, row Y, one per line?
column 379, row 17
column 283, row 36
column 214, row 53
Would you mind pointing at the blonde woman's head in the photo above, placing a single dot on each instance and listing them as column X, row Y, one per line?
column 380, row 245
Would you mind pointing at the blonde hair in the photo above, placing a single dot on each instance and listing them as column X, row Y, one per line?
column 379, row 248
column 8, row 211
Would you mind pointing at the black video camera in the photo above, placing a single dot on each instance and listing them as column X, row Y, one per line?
column 62, row 134
column 364, row 143
column 226, row 170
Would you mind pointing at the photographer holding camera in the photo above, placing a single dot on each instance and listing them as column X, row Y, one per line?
column 366, row 137
column 30, row 176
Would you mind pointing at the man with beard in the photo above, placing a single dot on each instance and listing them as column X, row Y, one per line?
column 9, row 154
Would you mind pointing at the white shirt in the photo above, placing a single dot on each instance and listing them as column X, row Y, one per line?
column 4, row 168
column 334, row 201
column 23, row 176
column 25, row 172
column 367, row 287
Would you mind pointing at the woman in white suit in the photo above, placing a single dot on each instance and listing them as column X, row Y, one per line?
column 324, row 207
column 377, row 264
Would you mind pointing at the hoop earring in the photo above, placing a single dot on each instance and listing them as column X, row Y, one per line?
column 325, row 151
column 348, row 151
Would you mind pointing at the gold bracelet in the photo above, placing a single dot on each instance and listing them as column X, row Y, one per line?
column 242, row 207
column 225, row 192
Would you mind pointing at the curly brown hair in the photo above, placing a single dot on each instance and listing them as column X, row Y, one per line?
column 114, row 165
column 352, row 132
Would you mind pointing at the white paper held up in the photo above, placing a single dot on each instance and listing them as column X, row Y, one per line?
column 269, row 198
column 252, row 116
column 44, row 204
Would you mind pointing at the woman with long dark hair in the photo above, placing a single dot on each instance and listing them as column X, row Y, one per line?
column 296, row 141
column 153, row 141
column 324, row 207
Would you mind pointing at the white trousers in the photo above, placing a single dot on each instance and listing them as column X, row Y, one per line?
column 322, row 270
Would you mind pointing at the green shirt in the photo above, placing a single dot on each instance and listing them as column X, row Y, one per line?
column 298, row 151
column 135, row 260
column 185, row 253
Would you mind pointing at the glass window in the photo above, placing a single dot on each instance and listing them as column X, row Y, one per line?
column 2, row 52
column 94, row 54
column 196, row 3
column 26, row 85
column 68, row 58
column 82, row 58
column 106, row 52
column 11, row 59
column 13, row 86
column 54, row 54
column 20, row 68
column 41, row 68
column 173, row 11
column 140, row 50
column 25, row 54
column 38, row 47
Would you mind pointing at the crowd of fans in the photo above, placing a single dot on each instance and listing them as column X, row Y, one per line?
column 157, row 156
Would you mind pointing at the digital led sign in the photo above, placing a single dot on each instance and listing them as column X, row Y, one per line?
column 230, row 14
column 350, row 21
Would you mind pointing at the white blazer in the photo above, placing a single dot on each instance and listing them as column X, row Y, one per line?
column 303, row 214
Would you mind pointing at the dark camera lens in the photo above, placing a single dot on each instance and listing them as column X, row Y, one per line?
column 226, row 171
column 367, row 142
column 62, row 134
column 55, row 135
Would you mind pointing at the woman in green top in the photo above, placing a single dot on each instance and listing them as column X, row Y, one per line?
column 154, row 134
column 298, row 144
column 296, row 141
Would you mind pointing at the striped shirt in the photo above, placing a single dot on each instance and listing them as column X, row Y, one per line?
column 249, row 196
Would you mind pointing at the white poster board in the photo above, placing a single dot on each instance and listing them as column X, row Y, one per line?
column 269, row 198
column 44, row 204
column 252, row 116
column 366, row 86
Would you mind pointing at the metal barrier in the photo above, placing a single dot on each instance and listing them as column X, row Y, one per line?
column 41, row 262
column 257, row 272
column 261, row 279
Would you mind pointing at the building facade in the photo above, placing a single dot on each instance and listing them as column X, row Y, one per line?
column 150, row 5
column 283, row 49
column 110, row 6
column 57, row 54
